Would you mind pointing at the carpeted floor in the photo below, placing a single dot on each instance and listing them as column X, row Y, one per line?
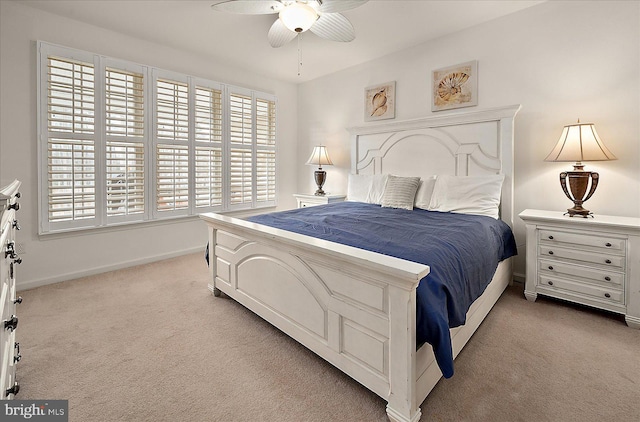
column 150, row 343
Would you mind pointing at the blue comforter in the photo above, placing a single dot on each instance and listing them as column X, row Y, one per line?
column 463, row 252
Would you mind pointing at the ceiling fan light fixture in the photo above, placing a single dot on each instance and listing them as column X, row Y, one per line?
column 298, row 17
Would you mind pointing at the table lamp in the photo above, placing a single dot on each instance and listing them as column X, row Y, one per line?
column 579, row 142
column 320, row 157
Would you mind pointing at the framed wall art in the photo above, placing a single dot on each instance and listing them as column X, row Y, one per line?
column 455, row 86
column 380, row 101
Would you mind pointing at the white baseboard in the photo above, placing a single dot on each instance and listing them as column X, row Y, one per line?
column 98, row 270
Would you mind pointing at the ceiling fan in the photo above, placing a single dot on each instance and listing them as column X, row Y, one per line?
column 321, row 17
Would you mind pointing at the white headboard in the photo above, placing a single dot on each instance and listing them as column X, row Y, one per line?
column 462, row 144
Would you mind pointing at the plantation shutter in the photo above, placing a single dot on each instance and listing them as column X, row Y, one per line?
column 120, row 142
column 172, row 149
column 240, row 178
column 240, row 150
column 265, row 151
column 172, row 177
column 208, row 150
column 71, row 142
column 125, row 178
column 125, row 147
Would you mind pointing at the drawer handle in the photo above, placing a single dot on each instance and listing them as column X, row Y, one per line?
column 13, row 390
column 550, row 252
column 551, row 267
column 607, row 295
column 608, row 261
column 608, row 245
column 10, row 250
column 550, row 237
column 17, row 356
column 11, row 324
column 550, row 283
column 607, row 278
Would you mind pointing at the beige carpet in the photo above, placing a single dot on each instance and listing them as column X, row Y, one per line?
column 150, row 343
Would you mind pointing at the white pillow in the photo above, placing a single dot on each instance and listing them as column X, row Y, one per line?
column 366, row 188
column 425, row 190
column 467, row 194
column 376, row 190
column 400, row 192
column 358, row 187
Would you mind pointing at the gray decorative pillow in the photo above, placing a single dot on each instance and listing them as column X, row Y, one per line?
column 400, row 192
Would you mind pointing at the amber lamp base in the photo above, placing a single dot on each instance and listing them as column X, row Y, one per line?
column 576, row 188
column 320, row 176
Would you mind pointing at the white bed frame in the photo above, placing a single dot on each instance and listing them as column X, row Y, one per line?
column 354, row 308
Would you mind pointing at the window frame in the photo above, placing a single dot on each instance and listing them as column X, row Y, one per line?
column 271, row 148
column 145, row 139
column 149, row 140
column 210, row 85
column 170, row 77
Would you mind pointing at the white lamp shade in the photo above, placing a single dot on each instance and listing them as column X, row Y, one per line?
column 580, row 142
column 320, row 157
column 298, row 17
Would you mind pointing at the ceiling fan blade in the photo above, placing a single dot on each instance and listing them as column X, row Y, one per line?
column 249, row 7
column 334, row 27
column 279, row 34
column 333, row 6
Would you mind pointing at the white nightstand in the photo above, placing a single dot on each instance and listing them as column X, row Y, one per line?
column 592, row 261
column 311, row 200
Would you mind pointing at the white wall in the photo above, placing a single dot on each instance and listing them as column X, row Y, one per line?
column 562, row 60
column 60, row 257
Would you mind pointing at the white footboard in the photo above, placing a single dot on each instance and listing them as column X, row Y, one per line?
column 354, row 308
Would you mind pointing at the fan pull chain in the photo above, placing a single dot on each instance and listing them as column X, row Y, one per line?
column 299, row 53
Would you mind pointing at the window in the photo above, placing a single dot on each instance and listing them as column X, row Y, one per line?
column 265, row 150
column 122, row 143
column 125, row 178
column 172, row 146
column 125, row 143
column 208, row 159
column 252, row 144
column 240, row 144
column 71, row 140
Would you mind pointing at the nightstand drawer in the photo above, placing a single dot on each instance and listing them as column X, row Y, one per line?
column 551, row 251
column 600, row 293
column 307, row 200
column 304, row 204
column 572, row 239
column 604, row 276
